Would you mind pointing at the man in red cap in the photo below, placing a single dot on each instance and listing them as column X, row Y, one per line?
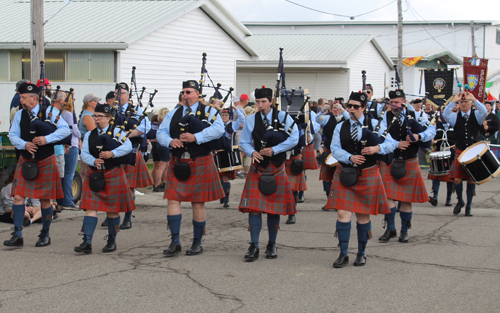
column 244, row 100
column 46, row 91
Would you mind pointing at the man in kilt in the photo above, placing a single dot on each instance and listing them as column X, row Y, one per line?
column 190, row 153
column 309, row 153
column 467, row 124
column 367, row 196
column 268, row 167
column 116, row 195
column 409, row 185
column 38, row 149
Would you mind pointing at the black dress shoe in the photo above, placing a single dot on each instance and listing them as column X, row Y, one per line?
column 43, row 240
column 172, row 250
column 222, row 200
column 468, row 211
column 126, row 225
column 291, row 219
column 433, row 201
column 195, row 249
column 271, row 251
column 448, row 202
column 252, row 254
column 109, row 247
column 85, row 247
column 301, row 199
column 341, row 261
column 104, row 223
column 157, row 189
column 403, row 237
column 458, row 207
column 15, row 241
column 226, row 204
column 360, row 260
column 388, row 235
column 324, row 208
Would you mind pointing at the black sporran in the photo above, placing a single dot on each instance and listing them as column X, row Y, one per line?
column 297, row 167
column 30, row 170
column 267, row 184
column 96, row 181
column 398, row 169
column 348, row 176
column 182, row 171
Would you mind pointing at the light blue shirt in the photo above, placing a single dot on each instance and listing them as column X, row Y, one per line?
column 246, row 135
column 215, row 131
column 122, row 150
column 451, row 117
column 241, row 119
column 425, row 136
column 61, row 132
column 343, row 156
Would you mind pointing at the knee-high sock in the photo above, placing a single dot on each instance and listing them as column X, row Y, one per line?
column 389, row 217
column 327, row 185
column 254, row 227
column 198, row 230
column 174, row 224
column 470, row 193
column 459, row 189
column 88, row 228
column 301, row 193
column 344, row 234
column 47, row 219
column 128, row 215
column 364, row 234
column 405, row 220
column 113, row 224
column 273, row 225
column 18, row 217
column 227, row 188
column 295, row 195
column 449, row 190
column 435, row 187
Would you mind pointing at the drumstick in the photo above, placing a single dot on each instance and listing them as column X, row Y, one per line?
column 448, row 147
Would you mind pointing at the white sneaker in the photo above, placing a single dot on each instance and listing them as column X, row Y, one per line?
column 138, row 193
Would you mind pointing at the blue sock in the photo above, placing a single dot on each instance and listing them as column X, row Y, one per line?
column 343, row 234
column 127, row 217
column 449, row 190
column 254, row 227
column 113, row 224
column 18, row 217
column 405, row 220
column 273, row 225
column 435, row 187
column 174, row 223
column 295, row 195
column 198, row 230
column 327, row 185
column 89, row 225
column 227, row 188
column 364, row 234
column 470, row 193
column 47, row 219
column 459, row 189
column 390, row 219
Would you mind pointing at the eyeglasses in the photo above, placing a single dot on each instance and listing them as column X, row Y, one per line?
column 99, row 116
column 369, row 92
column 354, row 106
column 187, row 92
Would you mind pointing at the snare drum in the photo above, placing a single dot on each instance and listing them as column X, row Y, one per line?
column 480, row 163
column 331, row 161
column 439, row 162
column 228, row 160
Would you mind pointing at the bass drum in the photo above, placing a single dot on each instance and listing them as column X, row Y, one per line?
column 480, row 163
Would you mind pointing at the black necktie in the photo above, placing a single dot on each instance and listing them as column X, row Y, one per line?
column 354, row 132
column 266, row 122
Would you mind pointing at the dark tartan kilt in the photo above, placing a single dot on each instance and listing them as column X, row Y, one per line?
column 297, row 182
column 46, row 186
column 309, row 157
column 228, row 174
column 138, row 175
column 326, row 172
column 281, row 202
column 457, row 170
column 116, row 196
column 202, row 186
column 410, row 188
column 367, row 196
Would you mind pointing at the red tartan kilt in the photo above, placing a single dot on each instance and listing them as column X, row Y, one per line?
column 138, row 175
column 367, row 196
column 457, row 170
column 410, row 188
column 228, row 174
column 297, row 182
column 116, row 196
column 47, row 184
column 202, row 186
column 281, row 202
column 309, row 157
column 445, row 178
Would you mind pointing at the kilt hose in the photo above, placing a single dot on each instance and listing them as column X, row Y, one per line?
column 116, row 196
column 47, row 184
column 280, row 202
column 457, row 170
column 367, row 196
column 297, row 182
column 410, row 188
column 309, row 157
column 202, row 186
column 138, row 175
column 228, row 174
column 326, row 173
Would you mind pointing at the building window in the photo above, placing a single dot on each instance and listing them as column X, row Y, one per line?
column 54, row 66
column 91, row 66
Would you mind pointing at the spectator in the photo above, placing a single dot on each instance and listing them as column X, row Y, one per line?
column 161, row 154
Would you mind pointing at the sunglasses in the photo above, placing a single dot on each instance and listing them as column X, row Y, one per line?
column 355, row 106
column 369, row 92
column 99, row 116
column 187, row 92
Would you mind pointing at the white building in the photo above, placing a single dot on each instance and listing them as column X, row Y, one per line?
column 92, row 44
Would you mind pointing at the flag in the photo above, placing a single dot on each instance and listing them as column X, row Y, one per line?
column 411, row 61
column 491, row 98
column 439, row 83
column 475, row 76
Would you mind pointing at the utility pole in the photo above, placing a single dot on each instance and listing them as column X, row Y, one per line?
column 472, row 31
column 37, row 38
column 400, row 42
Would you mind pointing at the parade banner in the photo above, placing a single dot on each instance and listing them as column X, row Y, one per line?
column 439, row 84
column 475, row 71
column 411, row 61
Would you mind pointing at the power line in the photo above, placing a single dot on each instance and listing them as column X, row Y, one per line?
column 412, row 10
column 329, row 13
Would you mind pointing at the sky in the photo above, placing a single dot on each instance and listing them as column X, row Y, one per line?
column 413, row 10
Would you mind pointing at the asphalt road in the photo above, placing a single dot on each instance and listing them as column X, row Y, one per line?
column 451, row 263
